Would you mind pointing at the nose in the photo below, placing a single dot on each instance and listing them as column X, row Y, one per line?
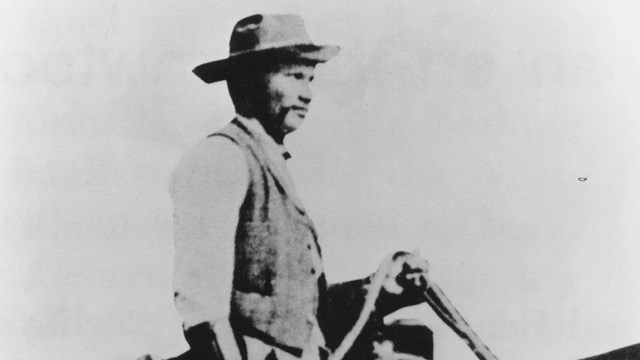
column 305, row 93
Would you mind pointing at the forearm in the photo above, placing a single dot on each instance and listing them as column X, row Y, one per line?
column 396, row 284
column 344, row 306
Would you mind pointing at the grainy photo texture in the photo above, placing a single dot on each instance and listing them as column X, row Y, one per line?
column 238, row 180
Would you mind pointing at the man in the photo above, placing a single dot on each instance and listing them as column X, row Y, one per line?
column 265, row 297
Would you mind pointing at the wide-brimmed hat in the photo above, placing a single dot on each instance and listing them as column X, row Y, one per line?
column 266, row 36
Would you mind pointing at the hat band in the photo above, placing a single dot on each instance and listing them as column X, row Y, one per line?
column 270, row 46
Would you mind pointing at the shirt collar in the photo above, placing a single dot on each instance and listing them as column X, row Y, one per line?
column 257, row 128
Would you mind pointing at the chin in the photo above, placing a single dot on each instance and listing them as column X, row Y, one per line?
column 292, row 123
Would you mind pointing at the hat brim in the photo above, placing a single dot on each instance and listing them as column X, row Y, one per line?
column 221, row 69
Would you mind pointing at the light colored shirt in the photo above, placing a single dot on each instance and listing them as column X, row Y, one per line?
column 208, row 187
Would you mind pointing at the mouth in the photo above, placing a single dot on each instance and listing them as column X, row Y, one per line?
column 301, row 111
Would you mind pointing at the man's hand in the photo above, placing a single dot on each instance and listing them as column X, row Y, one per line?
column 406, row 282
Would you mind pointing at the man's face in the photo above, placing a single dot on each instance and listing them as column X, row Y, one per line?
column 285, row 95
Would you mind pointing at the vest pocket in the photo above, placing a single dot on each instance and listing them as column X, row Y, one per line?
column 256, row 253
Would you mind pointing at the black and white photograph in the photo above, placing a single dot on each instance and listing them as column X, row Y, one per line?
column 320, row 180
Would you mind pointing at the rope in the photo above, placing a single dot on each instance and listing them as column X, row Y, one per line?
column 369, row 305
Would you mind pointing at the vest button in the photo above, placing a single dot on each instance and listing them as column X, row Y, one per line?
column 313, row 271
column 309, row 246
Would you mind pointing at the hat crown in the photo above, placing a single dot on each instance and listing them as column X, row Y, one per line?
column 275, row 36
column 260, row 32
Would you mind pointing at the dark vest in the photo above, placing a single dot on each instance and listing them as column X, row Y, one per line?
column 277, row 277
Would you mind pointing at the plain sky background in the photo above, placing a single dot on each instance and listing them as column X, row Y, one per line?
column 459, row 128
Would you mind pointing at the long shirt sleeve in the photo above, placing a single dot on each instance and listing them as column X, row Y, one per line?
column 207, row 188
